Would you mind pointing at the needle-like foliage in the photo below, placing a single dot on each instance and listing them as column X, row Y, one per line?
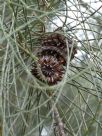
column 29, row 107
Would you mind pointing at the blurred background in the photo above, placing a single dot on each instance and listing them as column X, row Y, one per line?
column 25, row 106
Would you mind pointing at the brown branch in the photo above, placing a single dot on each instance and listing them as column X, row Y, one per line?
column 59, row 126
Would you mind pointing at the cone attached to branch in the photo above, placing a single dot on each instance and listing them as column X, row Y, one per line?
column 52, row 58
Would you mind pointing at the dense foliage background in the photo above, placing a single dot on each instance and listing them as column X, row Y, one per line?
column 25, row 106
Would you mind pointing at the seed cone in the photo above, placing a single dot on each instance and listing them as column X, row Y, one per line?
column 52, row 57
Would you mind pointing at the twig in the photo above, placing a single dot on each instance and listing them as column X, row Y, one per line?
column 58, row 124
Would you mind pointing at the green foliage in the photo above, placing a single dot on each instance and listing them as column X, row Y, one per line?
column 26, row 108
